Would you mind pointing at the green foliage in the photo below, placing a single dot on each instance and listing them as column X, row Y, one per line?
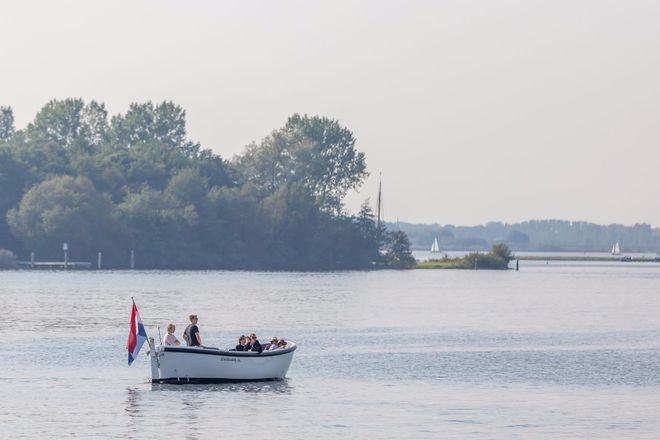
column 490, row 260
column 7, row 259
column 369, row 233
column 397, row 250
column 163, row 124
column 445, row 263
column 6, row 124
column 14, row 179
column 138, row 183
column 314, row 152
column 497, row 259
column 65, row 209
column 502, row 251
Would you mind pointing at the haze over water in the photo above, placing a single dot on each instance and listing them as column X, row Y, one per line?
column 553, row 351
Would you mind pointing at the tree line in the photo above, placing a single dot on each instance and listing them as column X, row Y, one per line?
column 135, row 181
column 540, row 235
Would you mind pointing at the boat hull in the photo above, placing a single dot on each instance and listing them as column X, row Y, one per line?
column 209, row 365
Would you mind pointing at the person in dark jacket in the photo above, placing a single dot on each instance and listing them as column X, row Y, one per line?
column 254, row 343
column 241, row 344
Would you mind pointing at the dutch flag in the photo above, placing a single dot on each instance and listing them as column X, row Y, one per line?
column 136, row 335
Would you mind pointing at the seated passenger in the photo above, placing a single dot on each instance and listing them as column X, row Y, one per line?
column 282, row 343
column 272, row 345
column 170, row 339
column 241, row 344
column 254, row 343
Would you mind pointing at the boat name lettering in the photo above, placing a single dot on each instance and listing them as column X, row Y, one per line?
column 231, row 359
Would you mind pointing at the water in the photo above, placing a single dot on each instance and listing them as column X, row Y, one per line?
column 553, row 351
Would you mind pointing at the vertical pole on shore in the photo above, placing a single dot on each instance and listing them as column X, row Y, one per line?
column 32, row 259
column 476, row 263
column 65, row 248
column 517, row 264
column 99, row 257
column 132, row 259
column 378, row 211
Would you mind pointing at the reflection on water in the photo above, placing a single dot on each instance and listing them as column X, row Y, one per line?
column 274, row 387
column 190, row 409
column 133, row 408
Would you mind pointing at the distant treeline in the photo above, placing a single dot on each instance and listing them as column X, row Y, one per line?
column 542, row 235
column 136, row 182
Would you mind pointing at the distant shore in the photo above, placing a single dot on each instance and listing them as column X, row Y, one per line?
column 612, row 258
column 462, row 263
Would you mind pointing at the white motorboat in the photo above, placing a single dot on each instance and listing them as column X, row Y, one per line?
column 179, row 364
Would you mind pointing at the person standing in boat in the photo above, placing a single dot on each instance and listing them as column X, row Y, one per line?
column 191, row 333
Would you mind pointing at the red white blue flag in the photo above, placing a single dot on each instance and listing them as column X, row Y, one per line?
column 136, row 335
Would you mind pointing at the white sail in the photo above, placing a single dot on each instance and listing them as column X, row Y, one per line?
column 434, row 246
column 616, row 249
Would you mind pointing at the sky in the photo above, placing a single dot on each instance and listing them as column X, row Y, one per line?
column 472, row 111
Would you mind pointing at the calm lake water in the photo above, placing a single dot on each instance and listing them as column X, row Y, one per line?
column 552, row 351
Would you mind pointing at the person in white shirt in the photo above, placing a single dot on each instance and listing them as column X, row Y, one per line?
column 170, row 339
column 273, row 344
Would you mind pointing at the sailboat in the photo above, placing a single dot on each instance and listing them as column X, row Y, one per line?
column 616, row 249
column 434, row 247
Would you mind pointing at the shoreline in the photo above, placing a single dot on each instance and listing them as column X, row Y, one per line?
column 612, row 258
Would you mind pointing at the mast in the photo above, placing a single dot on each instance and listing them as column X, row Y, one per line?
column 379, row 202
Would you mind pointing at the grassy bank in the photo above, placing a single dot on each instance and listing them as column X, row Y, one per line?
column 449, row 263
column 497, row 259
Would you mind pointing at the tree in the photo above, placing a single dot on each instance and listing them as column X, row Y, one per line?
column 70, row 124
column 213, row 168
column 187, row 186
column 94, row 125
column 502, row 250
column 66, row 209
column 157, row 229
column 366, row 221
column 268, row 165
column 138, row 183
column 63, row 138
column 6, row 123
column 371, row 237
column 14, row 178
column 233, row 226
column 316, row 152
column 397, row 250
column 163, row 124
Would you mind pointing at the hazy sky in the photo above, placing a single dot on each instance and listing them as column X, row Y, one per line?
column 472, row 110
